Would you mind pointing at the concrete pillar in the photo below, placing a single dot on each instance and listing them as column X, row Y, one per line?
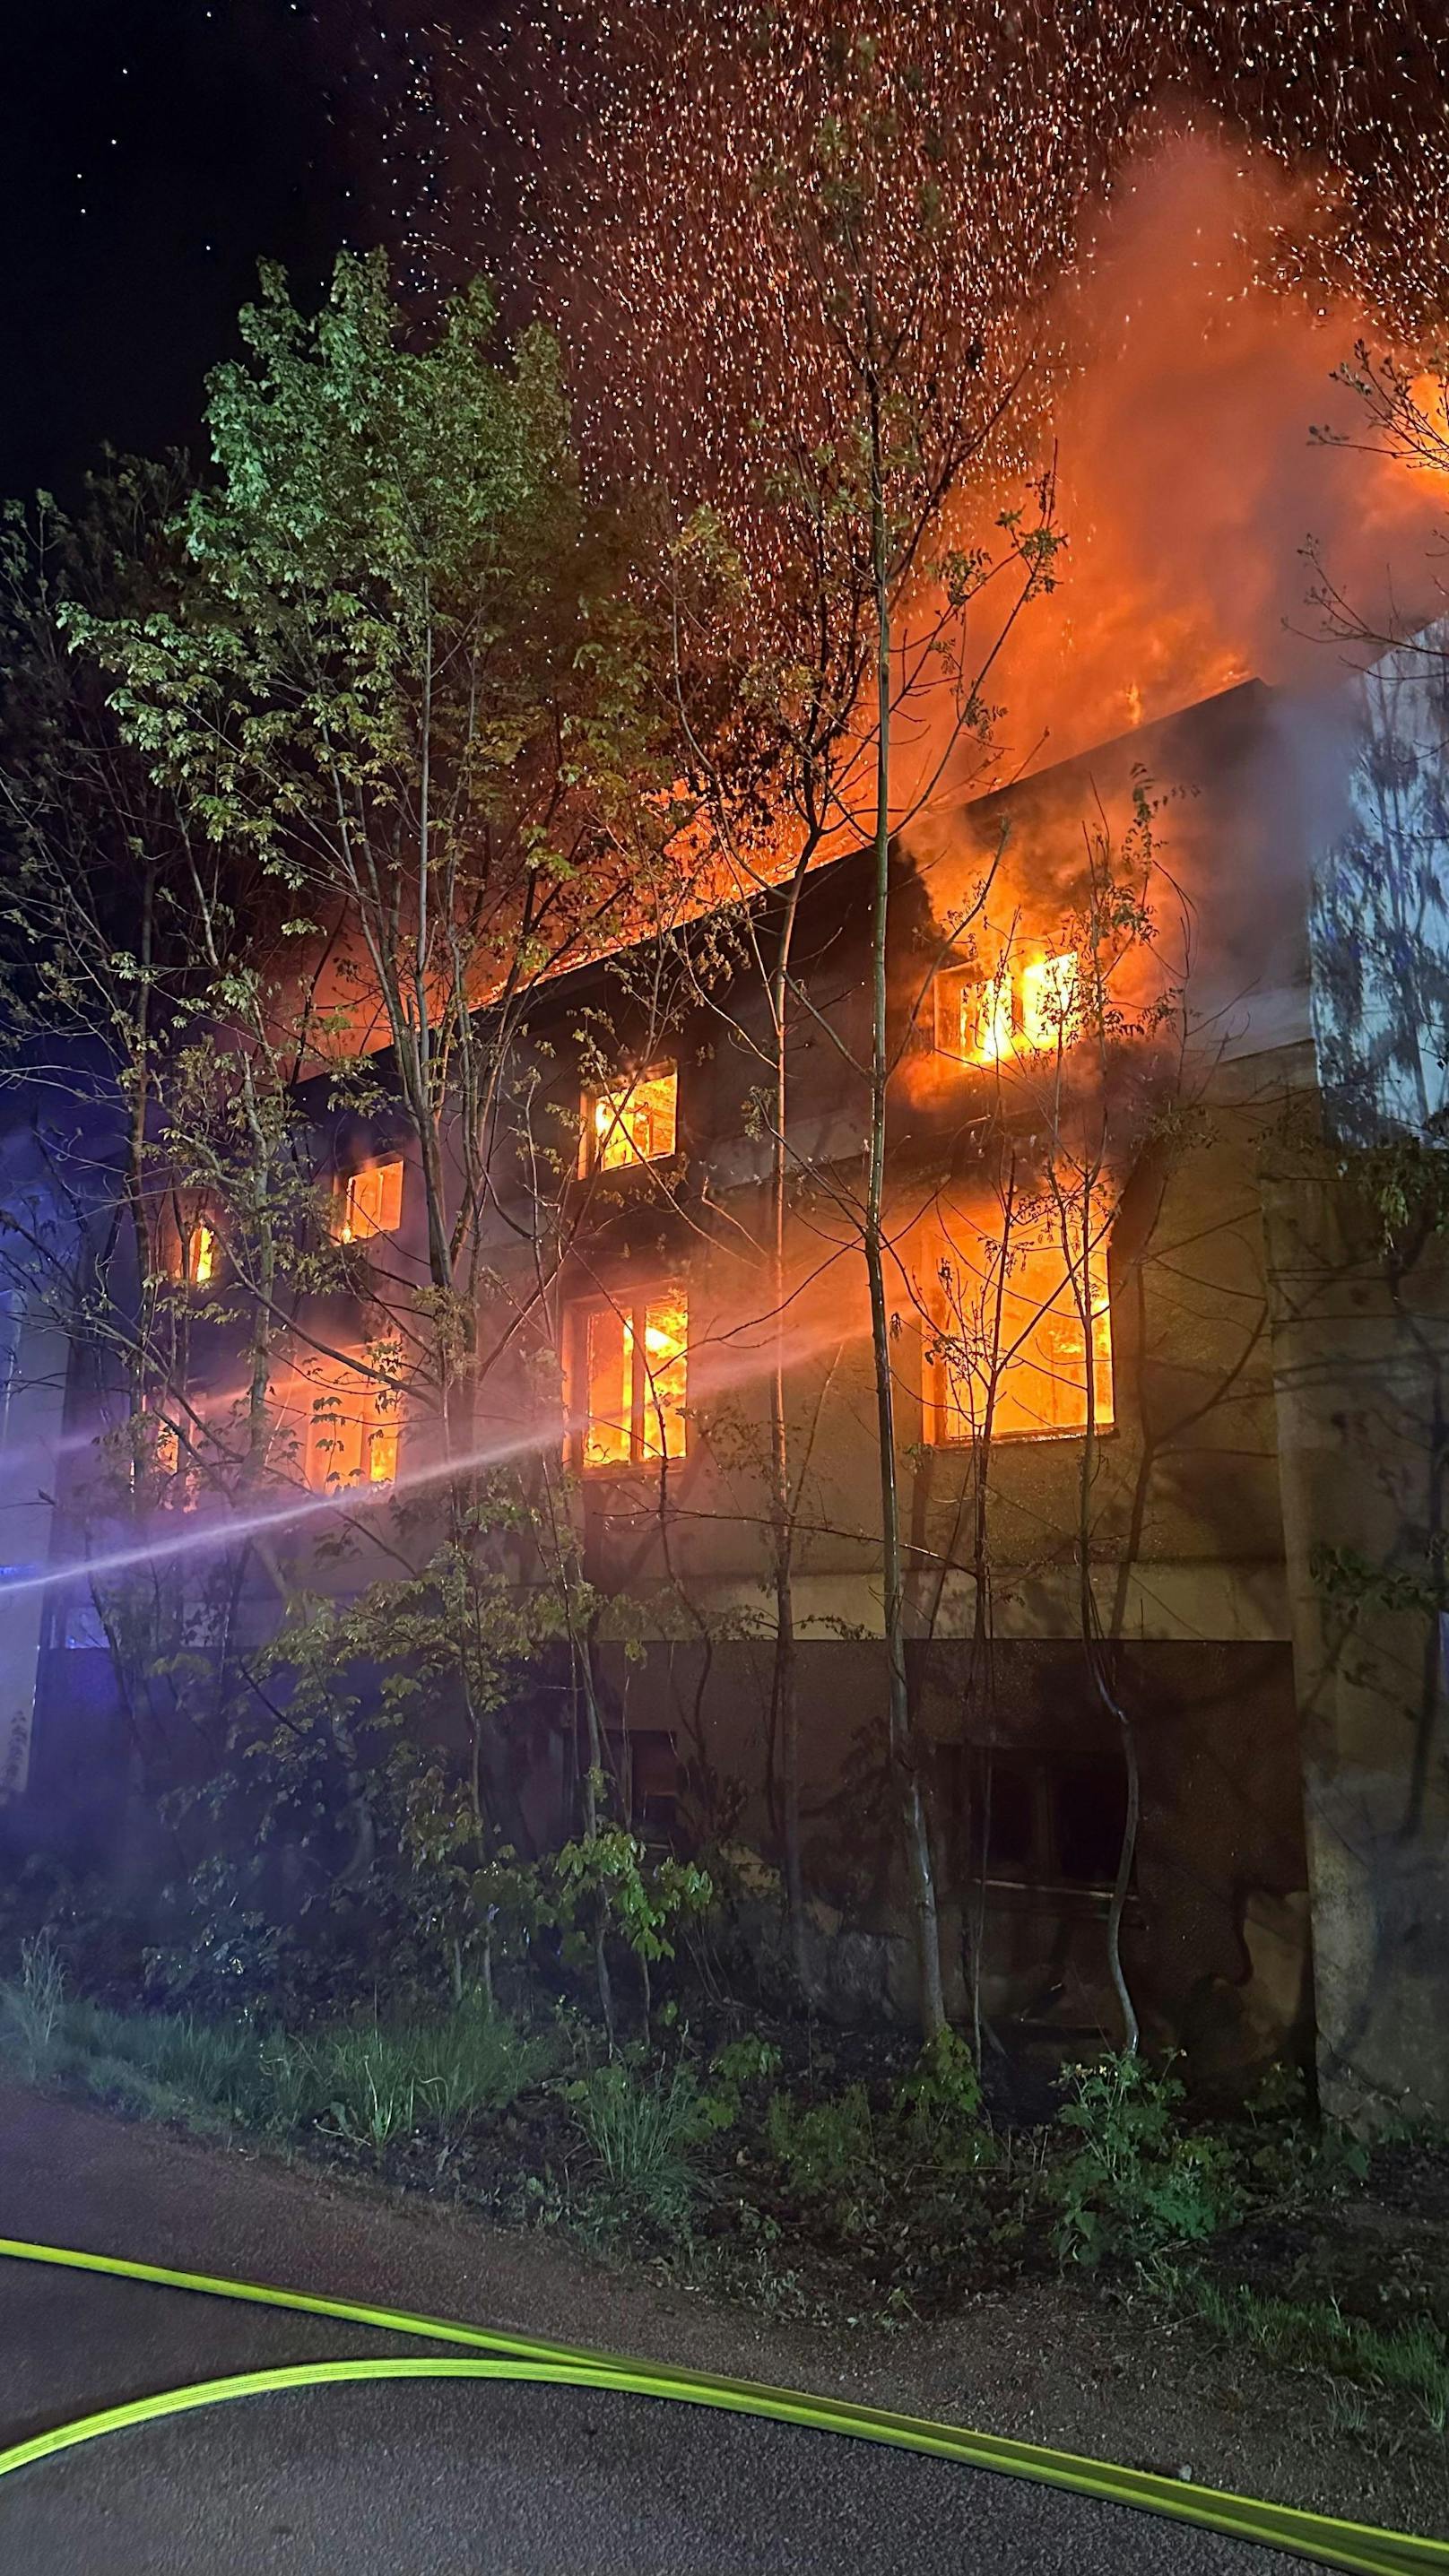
column 33, row 1361
column 1361, row 1374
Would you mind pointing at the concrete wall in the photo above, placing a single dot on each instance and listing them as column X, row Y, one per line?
column 1360, row 1341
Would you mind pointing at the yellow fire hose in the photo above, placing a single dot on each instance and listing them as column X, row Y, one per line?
column 1318, row 2537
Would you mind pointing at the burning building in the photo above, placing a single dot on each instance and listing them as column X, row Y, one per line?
column 1169, row 1427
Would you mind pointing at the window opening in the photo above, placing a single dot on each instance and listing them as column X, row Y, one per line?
column 634, row 1363
column 637, row 1123
column 370, row 1202
column 1016, row 1346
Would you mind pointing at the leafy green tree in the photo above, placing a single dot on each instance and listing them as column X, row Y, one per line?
column 379, row 666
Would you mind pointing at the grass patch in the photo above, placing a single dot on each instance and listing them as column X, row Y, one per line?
column 1410, row 2360
column 641, row 2129
column 375, row 2085
column 167, row 2065
column 32, row 2010
column 371, row 2084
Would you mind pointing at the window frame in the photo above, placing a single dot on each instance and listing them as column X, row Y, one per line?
column 1045, row 1774
column 346, row 1229
column 629, row 1750
column 591, row 1142
column 937, row 1408
column 632, row 1313
column 1048, row 1773
column 1014, row 1009
column 950, row 984
column 372, row 1423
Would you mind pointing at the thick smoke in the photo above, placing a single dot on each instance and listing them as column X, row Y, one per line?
column 1207, row 464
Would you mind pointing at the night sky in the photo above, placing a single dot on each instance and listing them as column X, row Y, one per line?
column 150, row 151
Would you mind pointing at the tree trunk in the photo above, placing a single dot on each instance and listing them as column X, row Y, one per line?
column 905, row 1770
column 1093, row 1649
column 785, row 1703
column 584, row 1669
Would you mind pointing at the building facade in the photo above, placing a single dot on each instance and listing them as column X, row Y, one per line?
column 1145, row 1347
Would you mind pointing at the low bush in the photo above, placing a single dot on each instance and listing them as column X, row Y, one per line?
column 1137, row 2180
column 937, row 2108
column 822, row 2146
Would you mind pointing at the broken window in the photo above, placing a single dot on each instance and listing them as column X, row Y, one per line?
column 635, row 1124
column 1011, row 1343
column 647, row 1766
column 1023, row 1008
column 369, row 1202
column 1054, row 1819
column 630, row 1364
column 351, row 1433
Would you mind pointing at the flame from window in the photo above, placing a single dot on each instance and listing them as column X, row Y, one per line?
column 351, row 1434
column 1013, row 1349
column 201, row 1256
column 637, row 1124
column 370, row 1202
column 987, row 1021
column 1027, row 1010
column 1049, row 991
column 609, row 1365
column 635, row 1372
column 662, row 1372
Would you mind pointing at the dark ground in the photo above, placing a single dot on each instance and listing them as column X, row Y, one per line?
column 432, row 2478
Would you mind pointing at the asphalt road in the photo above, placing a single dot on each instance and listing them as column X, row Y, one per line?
column 430, row 2479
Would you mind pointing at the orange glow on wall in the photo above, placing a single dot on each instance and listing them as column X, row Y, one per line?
column 1031, row 1374
column 637, row 1124
column 634, row 1365
column 370, row 1202
column 352, row 1435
